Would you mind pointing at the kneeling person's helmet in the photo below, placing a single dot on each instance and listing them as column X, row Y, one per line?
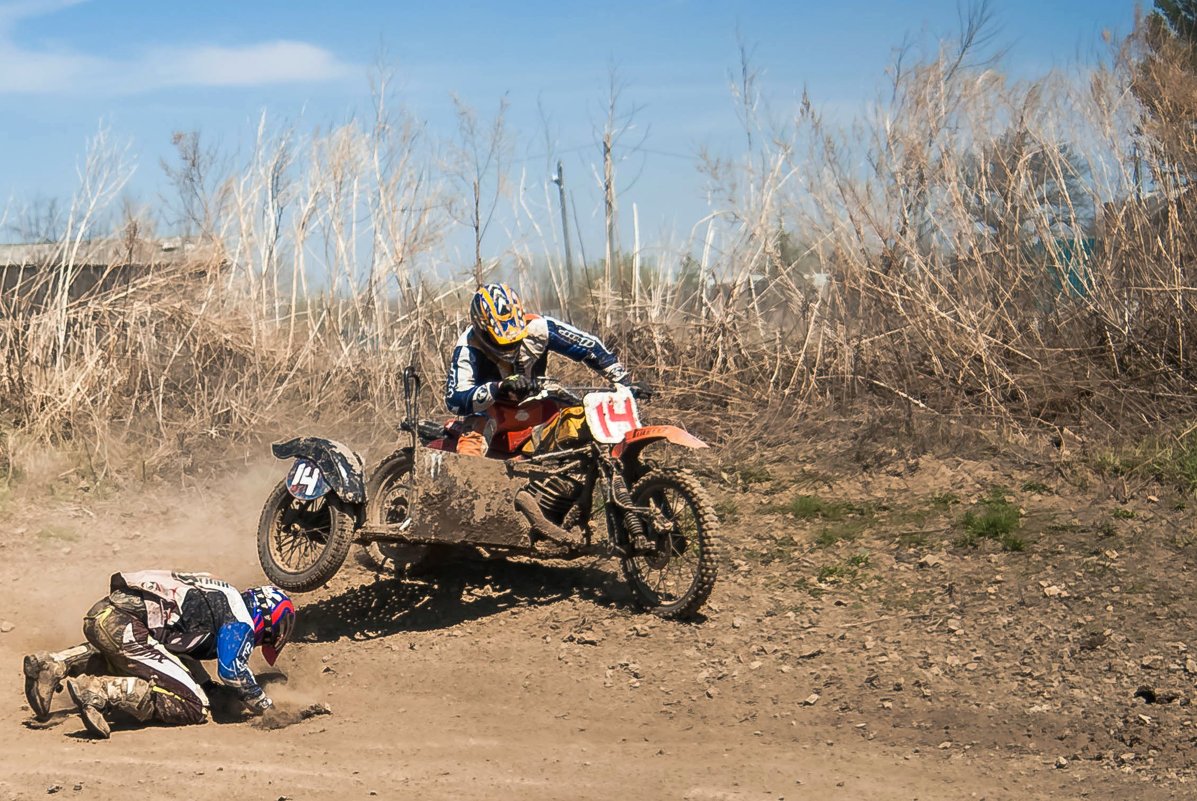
column 274, row 618
column 497, row 315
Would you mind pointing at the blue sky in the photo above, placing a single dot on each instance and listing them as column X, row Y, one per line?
column 148, row 69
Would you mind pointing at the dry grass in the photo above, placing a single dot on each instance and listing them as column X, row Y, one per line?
column 924, row 256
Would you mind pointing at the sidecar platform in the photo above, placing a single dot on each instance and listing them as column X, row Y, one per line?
column 467, row 500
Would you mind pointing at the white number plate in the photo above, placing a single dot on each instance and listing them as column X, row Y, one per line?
column 611, row 415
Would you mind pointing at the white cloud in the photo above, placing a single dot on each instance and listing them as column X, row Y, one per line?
column 265, row 63
column 28, row 70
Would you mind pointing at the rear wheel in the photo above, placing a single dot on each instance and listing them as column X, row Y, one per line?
column 302, row 544
column 389, row 503
column 675, row 563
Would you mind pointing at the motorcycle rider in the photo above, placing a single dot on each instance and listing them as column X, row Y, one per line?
column 499, row 356
column 144, row 625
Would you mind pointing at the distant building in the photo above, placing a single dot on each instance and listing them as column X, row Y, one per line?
column 33, row 273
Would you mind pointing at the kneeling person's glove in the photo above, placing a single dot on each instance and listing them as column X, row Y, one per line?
column 260, row 704
column 515, row 388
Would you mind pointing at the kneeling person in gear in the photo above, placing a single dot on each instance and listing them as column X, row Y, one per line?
column 148, row 621
column 498, row 359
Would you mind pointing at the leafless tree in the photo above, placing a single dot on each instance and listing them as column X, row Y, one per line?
column 478, row 163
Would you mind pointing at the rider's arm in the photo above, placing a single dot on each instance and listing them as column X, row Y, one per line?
column 234, row 644
column 465, row 392
column 588, row 349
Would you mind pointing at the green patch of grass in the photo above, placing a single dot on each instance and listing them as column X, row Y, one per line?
column 810, row 507
column 992, row 517
column 804, row 507
column 1168, row 459
column 847, row 572
column 944, row 501
column 1013, row 543
column 1114, row 464
column 826, row 538
column 1122, row 513
column 838, row 532
column 1035, row 487
column 830, row 573
column 809, row 587
column 754, row 474
column 727, row 510
column 1106, row 529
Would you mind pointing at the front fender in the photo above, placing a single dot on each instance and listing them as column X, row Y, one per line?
column 343, row 469
column 635, row 440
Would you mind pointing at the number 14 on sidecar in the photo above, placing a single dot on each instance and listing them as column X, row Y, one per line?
column 594, row 495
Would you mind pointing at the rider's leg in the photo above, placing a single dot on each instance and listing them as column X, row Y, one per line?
column 477, row 431
column 44, row 672
column 563, row 430
column 170, row 695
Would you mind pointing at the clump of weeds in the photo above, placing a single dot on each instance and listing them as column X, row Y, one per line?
column 810, row 507
column 992, row 517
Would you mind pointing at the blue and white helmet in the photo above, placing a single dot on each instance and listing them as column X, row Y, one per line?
column 274, row 618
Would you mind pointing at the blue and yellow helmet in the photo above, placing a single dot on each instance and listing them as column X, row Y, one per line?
column 498, row 318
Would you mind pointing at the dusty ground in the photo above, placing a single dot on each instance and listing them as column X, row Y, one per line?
column 855, row 647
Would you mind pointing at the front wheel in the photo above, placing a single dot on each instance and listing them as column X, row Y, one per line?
column 302, row 544
column 674, row 565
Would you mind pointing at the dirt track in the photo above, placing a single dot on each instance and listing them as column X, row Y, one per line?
column 517, row 680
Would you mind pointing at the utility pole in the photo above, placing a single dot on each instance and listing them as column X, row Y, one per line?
column 559, row 179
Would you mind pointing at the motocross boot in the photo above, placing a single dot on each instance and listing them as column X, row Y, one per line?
column 44, row 673
column 101, row 697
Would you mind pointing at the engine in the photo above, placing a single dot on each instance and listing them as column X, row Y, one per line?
column 555, row 494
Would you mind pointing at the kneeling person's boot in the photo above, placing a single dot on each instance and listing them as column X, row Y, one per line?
column 44, row 673
column 100, row 698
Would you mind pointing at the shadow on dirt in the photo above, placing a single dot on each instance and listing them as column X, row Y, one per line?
column 468, row 590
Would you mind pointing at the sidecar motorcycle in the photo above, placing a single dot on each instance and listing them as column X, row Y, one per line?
column 598, row 497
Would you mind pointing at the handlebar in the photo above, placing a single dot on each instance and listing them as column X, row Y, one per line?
column 550, row 388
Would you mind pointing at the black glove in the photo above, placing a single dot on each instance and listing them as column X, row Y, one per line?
column 515, row 388
column 640, row 391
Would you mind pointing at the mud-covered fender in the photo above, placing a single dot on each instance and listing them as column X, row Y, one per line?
column 636, row 439
column 342, row 468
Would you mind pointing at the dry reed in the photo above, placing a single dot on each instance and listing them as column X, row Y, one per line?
column 972, row 247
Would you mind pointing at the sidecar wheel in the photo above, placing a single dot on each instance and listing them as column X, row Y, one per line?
column 389, row 499
column 302, row 544
column 674, row 570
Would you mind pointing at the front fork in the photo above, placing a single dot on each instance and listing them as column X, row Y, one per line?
column 625, row 520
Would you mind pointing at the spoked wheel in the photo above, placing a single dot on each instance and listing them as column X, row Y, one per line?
column 676, row 561
column 389, row 499
column 301, row 544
